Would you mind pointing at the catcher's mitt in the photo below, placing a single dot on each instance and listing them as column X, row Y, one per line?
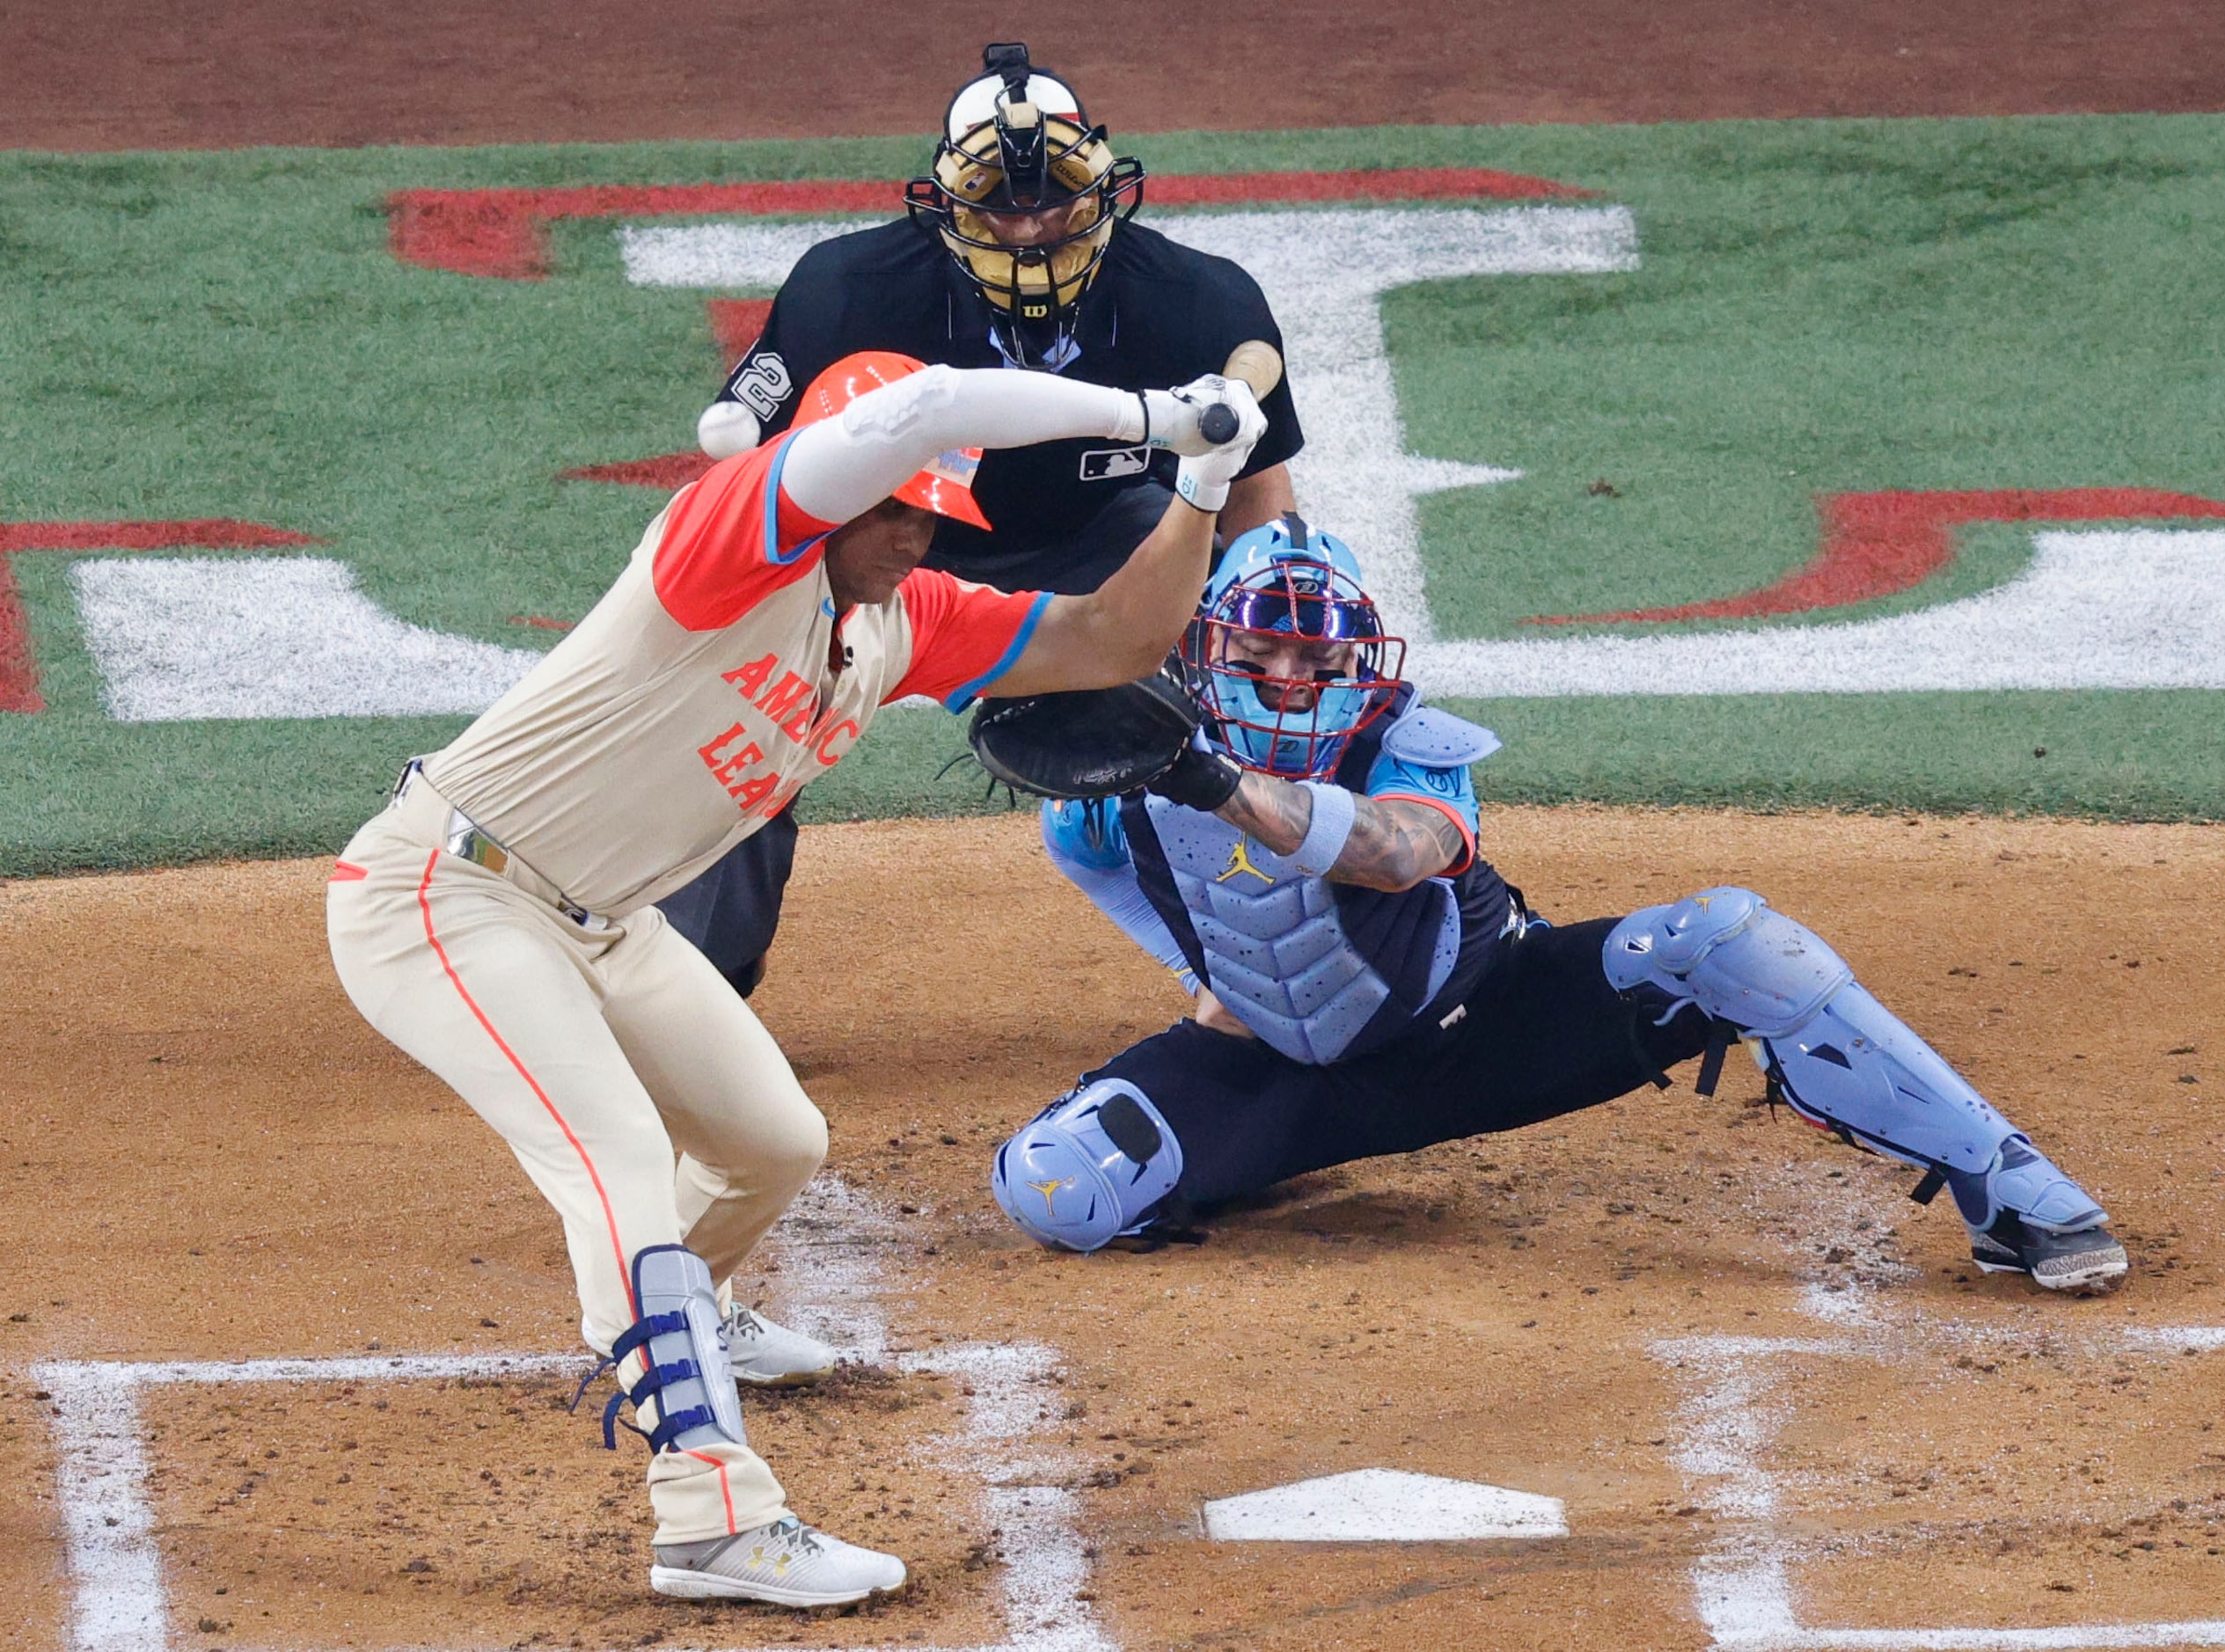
column 1093, row 742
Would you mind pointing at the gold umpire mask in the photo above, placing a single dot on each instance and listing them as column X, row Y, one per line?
column 1024, row 194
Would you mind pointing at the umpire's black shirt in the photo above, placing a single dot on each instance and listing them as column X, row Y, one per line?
column 1157, row 315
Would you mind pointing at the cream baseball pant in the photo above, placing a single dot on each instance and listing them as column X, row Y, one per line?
column 595, row 1052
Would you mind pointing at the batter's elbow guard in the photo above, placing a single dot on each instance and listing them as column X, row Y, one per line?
column 726, row 428
column 1092, row 1165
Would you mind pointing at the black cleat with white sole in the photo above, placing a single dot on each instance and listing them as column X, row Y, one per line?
column 2086, row 1263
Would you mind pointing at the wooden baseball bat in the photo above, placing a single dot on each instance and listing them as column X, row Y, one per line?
column 1260, row 365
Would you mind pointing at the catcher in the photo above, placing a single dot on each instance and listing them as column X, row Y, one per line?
column 498, row 920
column 1306, row 863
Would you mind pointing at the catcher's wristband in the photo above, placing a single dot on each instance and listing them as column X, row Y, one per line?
column 1328, row 830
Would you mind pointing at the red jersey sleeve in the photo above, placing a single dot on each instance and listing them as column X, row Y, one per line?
column 733, row 539
column 963, row 636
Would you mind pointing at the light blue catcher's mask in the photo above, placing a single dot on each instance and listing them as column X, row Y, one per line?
column 1284, row 580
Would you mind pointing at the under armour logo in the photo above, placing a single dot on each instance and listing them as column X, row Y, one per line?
column 1239, row 859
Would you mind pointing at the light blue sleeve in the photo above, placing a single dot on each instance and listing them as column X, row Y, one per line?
column 1088, row 846
column 1452, row 787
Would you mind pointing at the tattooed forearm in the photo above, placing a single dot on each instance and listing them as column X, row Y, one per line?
column 1394, row 844
column 1274, row 812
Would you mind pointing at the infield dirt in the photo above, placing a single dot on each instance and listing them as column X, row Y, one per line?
column 207, row 1154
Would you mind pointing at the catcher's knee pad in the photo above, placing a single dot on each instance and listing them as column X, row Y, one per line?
column 685, row 1394
column 1842, row 1059
column 1088, row 1167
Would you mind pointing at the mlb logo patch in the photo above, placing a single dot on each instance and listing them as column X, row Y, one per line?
column 1109, row 464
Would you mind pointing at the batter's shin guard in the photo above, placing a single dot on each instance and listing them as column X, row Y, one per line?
column 685, row 1394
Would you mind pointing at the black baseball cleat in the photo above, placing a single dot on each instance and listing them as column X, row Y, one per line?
column 2087, row 1262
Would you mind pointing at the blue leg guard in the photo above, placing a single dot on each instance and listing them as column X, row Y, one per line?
column 1841, row 1058
column 1088, row 1167
column 686, row 1395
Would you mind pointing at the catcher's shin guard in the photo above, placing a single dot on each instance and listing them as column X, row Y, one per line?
column 685, row 1393
column 1842, row 1059
column 1088, row 1167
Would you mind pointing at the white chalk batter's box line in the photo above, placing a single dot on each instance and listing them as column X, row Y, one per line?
column 120, row 1603
column 1743, row 1589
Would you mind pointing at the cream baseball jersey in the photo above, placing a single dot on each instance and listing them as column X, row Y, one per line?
column 712, row 683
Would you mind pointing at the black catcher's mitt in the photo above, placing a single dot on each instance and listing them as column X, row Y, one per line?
column 1093, row 742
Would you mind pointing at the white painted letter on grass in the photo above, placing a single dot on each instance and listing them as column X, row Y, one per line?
column 1324, row 270
column 183, row 638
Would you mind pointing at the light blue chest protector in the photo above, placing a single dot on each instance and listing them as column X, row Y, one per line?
column 1276, row 950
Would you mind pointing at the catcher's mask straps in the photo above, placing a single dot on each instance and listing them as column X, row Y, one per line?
column 1009, row 59
column 1298, row 529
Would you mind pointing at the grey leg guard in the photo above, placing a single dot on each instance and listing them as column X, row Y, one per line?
column 687, row 1395
column 1841, row 1058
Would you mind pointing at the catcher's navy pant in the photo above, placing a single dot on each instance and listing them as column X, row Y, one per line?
column 732, row 910
column 1543, row 1034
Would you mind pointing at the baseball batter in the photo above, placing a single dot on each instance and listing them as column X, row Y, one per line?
column 498, row 920
column 1366, row 985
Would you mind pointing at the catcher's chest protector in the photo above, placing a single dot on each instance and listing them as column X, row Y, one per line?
column 1275, row 947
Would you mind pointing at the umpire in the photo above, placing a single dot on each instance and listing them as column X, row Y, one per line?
column 1017, row 250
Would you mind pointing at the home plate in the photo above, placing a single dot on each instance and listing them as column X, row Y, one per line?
column 1383, row 1505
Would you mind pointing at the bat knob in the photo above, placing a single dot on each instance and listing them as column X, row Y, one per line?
column 1218, row 424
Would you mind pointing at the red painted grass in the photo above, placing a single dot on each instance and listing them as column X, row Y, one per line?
column 1875, row 545
column 738, row 323
column 18, row 666
column 499, row 232
column 672, row 471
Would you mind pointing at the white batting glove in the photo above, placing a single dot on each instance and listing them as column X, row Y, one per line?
column 1203, row 480
column 1171, row 416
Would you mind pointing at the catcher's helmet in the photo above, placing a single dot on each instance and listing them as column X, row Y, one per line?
column 945, row 485
column 1280, row 581
column 1015, row 142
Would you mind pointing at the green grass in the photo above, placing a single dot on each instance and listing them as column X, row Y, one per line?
column 1823, row 306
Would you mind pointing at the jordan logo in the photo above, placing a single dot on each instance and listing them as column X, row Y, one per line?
column 1239, row 859
column 1050, row 1191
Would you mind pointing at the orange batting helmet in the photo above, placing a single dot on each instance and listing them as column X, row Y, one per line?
column 945, row 485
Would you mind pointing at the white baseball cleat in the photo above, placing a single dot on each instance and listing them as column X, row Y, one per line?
column 787, row 1563
column 768, row 1355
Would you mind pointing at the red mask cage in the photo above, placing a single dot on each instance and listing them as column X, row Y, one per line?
column 1295, row 727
